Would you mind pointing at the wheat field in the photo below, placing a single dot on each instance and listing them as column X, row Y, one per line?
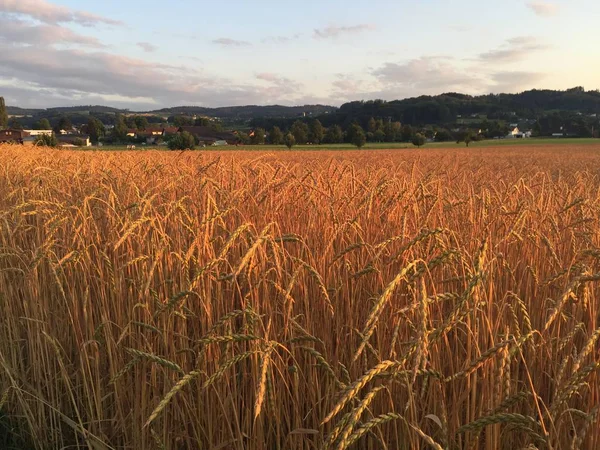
column 433, row 299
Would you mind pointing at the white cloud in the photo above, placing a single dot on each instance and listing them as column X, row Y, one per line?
column 334, row 31
column 47, row 12
column 517, row 81
column 543, row 8
column 281, row 39
column 24, row 32
column 427, row 75
column 147, row 47
column 515, row 49
column 228, row 42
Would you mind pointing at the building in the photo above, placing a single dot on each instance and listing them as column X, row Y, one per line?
column 152, row 134
column 78, row 140
column 36, row 133
column 209, row 136
column 13, row 136
column 515, row 133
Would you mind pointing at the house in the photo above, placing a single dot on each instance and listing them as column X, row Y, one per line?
column 152, row 135
column 209, row 136
column 82, row 140
column 514, row 133
column 36, row 133
column 13, row 136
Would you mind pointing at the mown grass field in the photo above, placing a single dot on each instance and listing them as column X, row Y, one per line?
column 533, row 142
column 300, row 300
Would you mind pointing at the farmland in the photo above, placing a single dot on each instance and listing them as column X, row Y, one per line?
column 533, row 142
column 411, row 299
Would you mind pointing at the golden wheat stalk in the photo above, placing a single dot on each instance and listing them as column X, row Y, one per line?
column 356, row 387
column 184, row 381
column 378, row 307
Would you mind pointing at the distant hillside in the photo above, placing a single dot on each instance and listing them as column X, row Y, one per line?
column 250, row 111
column 16, row 111
column 444, row 109
column 237, row 114
column 447, row 107
column 92, row 109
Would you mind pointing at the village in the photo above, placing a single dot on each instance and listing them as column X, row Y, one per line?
column 159, row 135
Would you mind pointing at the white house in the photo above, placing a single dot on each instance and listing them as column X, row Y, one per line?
column 515, row 133
column 35, row 133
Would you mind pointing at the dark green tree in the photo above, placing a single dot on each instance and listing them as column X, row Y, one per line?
column 372, row 125
column 3, row 114
column 64, row 123
column 443, row 136
column 42, row 124
column 469, row 137
column 141, row 123
column 276, row 136
column 95, row 128
column 258, row 138
column 182, row 121
column 334, row 135
column 379, row 136
column 316, row 132
column 216, row 126
column 46, row 140
column 357, row 135
column 182, row 141
column 300, row 131
column 419, row 140
column 202, row 122
column 289, row 140
column 406, row 133
column 15, row 124
column 119, row 132
column 392, row 131
column 243, row 137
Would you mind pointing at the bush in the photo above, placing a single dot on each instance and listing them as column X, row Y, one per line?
column 357, row 135
column 289, row 140
column 443, row 136
column 46, row 140
column 419, row 140
column 182, row 141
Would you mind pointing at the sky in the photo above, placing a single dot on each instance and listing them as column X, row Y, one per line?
column 150, row 54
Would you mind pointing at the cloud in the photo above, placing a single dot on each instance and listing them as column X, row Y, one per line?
column 543, row 9
column 275, row 85
column 281, row 39
column 346, row 86
column 147, row 46
column 47, row 12
column 331, row 32
column 516, row 81
column 49, row 76
column 515, row 49
column 427, row 75
column 24, row 32
column 228, row 42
